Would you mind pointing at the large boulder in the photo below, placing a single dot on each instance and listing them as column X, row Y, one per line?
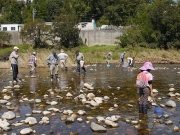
column 97, row 128
column 26, row 131
column 30, row 120
column 8, row 115
column 170, row 103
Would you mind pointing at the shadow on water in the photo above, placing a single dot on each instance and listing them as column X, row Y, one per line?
column 106, row 81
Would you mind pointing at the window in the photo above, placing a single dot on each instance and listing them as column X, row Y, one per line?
column 12, row 28
column 4, row 28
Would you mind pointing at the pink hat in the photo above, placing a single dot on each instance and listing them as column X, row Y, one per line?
column 147, row 65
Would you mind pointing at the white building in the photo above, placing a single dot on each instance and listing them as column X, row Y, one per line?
column 87, row 25
column 11, row 27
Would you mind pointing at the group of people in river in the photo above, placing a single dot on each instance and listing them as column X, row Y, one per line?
column 131, row 60
column 54, row 59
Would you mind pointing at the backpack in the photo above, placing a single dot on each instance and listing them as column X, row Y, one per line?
column 142, row 80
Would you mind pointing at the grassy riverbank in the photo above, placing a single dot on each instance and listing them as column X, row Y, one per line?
column 94, row 54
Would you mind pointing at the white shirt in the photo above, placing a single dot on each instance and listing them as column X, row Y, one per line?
column 62, row 56
column 130, row 60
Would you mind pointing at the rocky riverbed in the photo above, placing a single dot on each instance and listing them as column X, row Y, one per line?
column 103, row 101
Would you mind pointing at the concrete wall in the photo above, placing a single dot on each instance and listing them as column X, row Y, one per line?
column 92, row 37
column 100, row 37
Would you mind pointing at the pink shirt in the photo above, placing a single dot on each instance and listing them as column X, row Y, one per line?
column 149, row 76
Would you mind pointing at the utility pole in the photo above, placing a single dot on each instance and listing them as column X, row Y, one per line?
column 33, row 13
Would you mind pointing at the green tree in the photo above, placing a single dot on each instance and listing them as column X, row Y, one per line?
column 64, row 28
column 37, row 32
column 132, row 37
column 5, row 38
column 11, row 12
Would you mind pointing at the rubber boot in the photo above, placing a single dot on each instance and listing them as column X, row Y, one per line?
column 51, row 78
column 57, row 78
column 65, row 68
column 145, row 108
column 140, row 108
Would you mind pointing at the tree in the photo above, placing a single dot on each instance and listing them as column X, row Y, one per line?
column 64, row 28
column 4, row 38
column 36, row 31
column 11, row 12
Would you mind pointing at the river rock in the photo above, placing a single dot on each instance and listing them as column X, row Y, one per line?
column 83, row 101
column 8, row 115
column 134, row 122
column 169, row 122
column 81, row 96
column 88, row 86
column 30, row 120
column 69, row 120
column 177, row 94
column 4, row 123
column 170, row 103
column 155, row 91
column 69, row 94
column 70, row 112
column 93, row 103
column 161, row 105
column 171, row 85
column 26, row 131
column 171, row 94
column 46, row 112
column 45, row 96
column 28, row 115
column 4, row 90
column 16, row 86
column 89, row 118
column 98, row 100
column 114, row 118
column 8, row 87
column 25, row 99
column 74, row 116
column 44, row 120
column 97, row 128
column 79, row 119
column 3, row 101
column 36, row 112
column 54, row 103
column 7, row 97
column 81, row 112
column 166, row 116
column 111, row 123
column 106, row 98
column 100, row 118
column 90, row 95
column 18, row 124
column 38, row 100
column 6, row 129
column 171, row 89
column 176, row 129
column 129, row 105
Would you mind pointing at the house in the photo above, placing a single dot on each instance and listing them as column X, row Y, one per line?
column 12, row 27
column 87, row 25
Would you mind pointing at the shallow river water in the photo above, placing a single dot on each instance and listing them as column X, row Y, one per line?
column 105, row 81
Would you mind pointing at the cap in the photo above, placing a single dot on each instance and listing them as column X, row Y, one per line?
column 62, row 50
column 16, row 48
column 77, row 51
column 54, row 51
column 34, row 53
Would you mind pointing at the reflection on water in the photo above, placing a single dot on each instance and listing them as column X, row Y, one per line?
column 106, row 81
column 33, row 84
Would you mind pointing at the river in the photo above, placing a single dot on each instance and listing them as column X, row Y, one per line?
column 106, row 82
